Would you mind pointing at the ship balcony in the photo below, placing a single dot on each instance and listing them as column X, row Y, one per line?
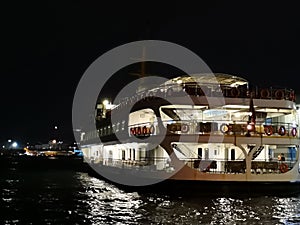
column 229, row 128
column 204, row 165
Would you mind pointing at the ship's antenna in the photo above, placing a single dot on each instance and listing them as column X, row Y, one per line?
column 142, row 73
column 143, row 63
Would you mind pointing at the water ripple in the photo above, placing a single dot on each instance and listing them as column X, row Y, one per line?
column 108, row 204
column 64, row 197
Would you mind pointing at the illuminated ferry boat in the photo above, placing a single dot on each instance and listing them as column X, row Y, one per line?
column 229, row 134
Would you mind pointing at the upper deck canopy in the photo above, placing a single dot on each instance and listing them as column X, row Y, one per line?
column 209, row 78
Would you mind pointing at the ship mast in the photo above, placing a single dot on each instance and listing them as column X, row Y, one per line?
column 141, row 74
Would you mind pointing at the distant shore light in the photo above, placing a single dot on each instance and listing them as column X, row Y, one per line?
column 14, row 145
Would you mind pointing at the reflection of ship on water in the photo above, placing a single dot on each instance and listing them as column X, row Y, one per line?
column 236, row 142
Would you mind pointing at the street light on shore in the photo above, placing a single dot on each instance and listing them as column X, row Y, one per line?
column 14, row 144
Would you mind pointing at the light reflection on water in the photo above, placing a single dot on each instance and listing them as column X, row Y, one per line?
column 107, row 204
column 110, row 205
column 70, row 197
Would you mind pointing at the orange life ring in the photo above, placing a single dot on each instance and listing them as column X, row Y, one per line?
column 138, row 130
column 151, row 129
column 184, row 128
column 281, row 130
column 292, row 96
column 235, row 92
column 294, row 131
column 132, row 131
column 283, row 168
column 279, row 94
column 145, row 130
column 265, row 93
column 268, row 130
column 224, row 128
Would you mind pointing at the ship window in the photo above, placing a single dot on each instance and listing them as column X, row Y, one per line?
column 141, row 153
column 268, row 121
column 199, row 153
column 123, row 154
column 82, row 136
column 142, row 117
column 118, row 127
column 206, row 153
column 232, row 154
column 216, row 152
column 133, row 154
column 292, row 153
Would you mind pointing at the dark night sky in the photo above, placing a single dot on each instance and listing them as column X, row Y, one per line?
column 47, row 46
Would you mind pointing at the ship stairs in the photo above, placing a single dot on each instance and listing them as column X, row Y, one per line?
column 257, row 151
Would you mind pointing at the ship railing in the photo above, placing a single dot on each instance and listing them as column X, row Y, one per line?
column 211, row 90
column 271, row 166
column 216, row 90
column 204, row 165
column 147, row 163
column 236, row 127
column 260, row 129
column 239, row 166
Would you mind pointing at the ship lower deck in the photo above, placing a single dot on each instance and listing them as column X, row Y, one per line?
column 223, row 188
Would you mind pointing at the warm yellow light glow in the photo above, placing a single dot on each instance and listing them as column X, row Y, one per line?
column 105, row 102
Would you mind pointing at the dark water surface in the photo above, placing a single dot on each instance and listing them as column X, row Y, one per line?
column 61, row 193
